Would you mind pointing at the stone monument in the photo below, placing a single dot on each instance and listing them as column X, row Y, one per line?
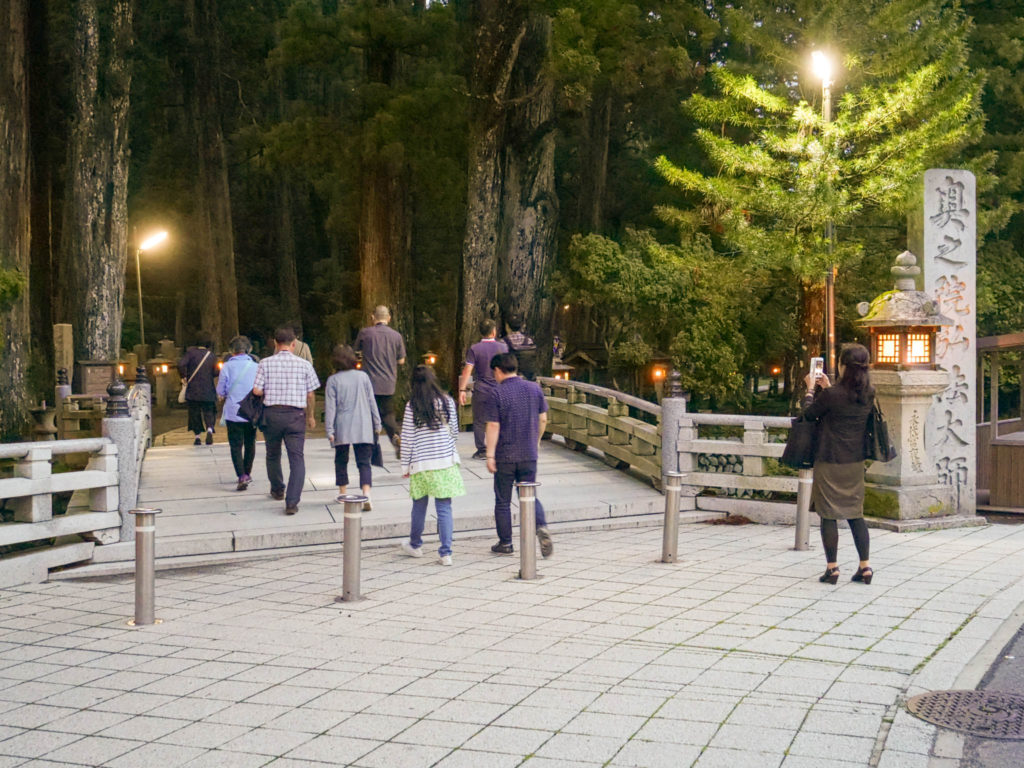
column 950, row 225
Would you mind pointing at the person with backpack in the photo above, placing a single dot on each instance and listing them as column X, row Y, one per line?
column 523, row 346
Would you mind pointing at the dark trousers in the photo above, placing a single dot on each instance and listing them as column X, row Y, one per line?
column 387, row 415
column 242, row 439
column 201, row 416
column 481, row 397
column 363, row 452
column 286, row 425
column 510, row 472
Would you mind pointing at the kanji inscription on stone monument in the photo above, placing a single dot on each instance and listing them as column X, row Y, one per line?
column 950, row 230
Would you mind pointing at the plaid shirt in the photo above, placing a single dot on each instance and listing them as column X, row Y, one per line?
column 285, row 379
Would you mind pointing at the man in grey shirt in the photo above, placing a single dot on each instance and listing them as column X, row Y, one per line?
column 383, row 351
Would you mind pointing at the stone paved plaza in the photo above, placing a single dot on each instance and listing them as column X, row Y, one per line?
column 735, row 657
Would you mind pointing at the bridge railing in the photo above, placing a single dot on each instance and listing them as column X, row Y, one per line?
column 727, row 455
column 101, row 494
column 732, row 455
column 590, row 416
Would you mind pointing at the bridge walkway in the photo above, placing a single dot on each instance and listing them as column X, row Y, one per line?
column 204, row 519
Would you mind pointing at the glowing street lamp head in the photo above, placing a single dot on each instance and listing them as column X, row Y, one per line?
column 153, row 241
column 822, row 66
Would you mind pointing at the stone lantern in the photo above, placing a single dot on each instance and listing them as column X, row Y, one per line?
column 903, row 324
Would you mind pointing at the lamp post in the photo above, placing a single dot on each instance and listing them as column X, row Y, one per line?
column 149, row 242
column 823, row 70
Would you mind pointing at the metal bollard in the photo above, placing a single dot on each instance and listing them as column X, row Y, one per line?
column 352, row 548
column 803, row 509
column 527, row 530
column 145, row 567
column 670, row 534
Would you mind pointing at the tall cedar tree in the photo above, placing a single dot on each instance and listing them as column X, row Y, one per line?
column 14, row 216
column 997, row 47
column 905, row 100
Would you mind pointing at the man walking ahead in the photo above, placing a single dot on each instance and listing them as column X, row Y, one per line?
column 383, row 351
column 478, row 365
column 516, row 416
column 288, row 384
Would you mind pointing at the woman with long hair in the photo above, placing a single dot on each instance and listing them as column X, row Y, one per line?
column 351, row 419
column 430, row 460
column 838, row 493
column 198, row 369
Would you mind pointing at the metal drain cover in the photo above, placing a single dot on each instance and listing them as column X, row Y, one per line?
column 989, row 714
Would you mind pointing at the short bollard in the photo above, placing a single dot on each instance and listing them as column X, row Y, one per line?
column 803, row 509
column 527, row 530
column 670, row 534
column 145, row 567
column 351, row 548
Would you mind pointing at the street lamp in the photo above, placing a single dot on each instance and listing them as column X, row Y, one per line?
column 150, row 242
column 822, row 66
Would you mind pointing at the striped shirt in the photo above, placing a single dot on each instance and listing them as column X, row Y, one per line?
column 424, row 448
column 285, row 379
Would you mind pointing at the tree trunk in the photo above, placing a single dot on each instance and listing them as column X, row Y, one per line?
column 530, row 205
column 497, row 28
column 95, row 232
column 812, row 329
column 594, row 161
column 288, row 276
column 214, row 239
column 385, row 221
column 384, row 242
column 15, row 212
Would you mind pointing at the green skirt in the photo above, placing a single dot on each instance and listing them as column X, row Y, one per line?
column 439, row 483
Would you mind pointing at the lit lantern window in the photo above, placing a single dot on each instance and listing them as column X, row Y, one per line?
column 920, row 348
column 887, row 348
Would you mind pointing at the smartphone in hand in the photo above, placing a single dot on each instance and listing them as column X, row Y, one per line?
column 817, row 368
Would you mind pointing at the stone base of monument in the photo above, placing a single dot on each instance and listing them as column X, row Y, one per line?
column 914, row 508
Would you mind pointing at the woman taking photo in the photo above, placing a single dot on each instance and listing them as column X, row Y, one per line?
column 351, row 419
column 838, row 493
column 430, row 460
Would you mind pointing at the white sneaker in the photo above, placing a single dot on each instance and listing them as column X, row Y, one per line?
column 445, row 560
column 410, row 550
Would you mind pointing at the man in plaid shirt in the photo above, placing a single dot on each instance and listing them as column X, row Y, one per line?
column 288, row 385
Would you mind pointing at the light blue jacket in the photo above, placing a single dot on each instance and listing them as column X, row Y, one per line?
column 351, row 415
column 235, row 382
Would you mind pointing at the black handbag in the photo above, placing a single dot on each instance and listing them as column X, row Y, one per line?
column 877, row 445
column 377, row 456
column 801, row 444
column 250, row 408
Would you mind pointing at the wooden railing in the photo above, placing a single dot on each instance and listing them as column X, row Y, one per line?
column 623, row 439
column 726, row 456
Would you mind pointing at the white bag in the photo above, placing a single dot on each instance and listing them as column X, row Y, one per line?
column 185, row 382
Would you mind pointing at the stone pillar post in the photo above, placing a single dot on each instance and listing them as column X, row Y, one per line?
column 120, row 428
column 908, row 487
column 950, row 224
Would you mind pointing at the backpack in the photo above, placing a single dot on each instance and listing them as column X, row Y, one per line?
column 526, row 354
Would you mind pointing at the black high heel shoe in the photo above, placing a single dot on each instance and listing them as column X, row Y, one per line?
column 863, row 574
column 830, row 576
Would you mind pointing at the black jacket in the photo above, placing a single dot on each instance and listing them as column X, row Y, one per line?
column 202, row 388
column 842, row 421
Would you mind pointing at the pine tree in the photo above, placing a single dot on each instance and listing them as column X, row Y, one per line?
column 779, row 174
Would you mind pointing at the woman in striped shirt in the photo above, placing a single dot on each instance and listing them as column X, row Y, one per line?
column 430, row 460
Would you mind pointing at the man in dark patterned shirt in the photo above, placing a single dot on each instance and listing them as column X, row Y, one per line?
column 516, row 415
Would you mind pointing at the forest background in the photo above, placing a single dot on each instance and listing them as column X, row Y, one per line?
column 641, row 179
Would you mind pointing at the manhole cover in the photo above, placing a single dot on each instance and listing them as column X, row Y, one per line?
column 990, row 714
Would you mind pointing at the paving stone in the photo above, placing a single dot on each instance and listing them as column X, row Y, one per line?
column 406, row 755
column 647, row 754
column 572, row 746
column 92, row 750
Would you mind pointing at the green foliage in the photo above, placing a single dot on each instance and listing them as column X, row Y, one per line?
column 13, row 283
column 776, row 173
column 656, row 298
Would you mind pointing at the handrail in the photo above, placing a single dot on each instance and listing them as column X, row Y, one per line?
column 609, row 394
column 738, row 420
column 56, row 447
